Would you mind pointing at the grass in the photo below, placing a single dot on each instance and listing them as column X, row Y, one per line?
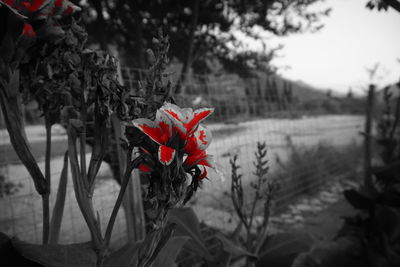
column 308, row 168
column 304, row 172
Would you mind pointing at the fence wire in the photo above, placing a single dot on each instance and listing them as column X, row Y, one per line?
column 302, row 152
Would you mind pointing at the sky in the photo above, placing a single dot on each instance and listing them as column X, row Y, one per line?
column 353, row 39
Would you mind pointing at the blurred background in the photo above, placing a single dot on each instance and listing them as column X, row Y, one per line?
column 293, row 74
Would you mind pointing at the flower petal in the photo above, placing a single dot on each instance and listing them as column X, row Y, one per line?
column 33, row 5
column 207, row 161
column 203, row 174
column 144, row 168
column 195, row 158
column 187, row 115
column 198, row 116
column 165, row 124
column 166, row 154
column 28, row 31
column 173, row 111
column 9, row 2
column 191, row 145
column 150, row 128
column 203, row 137
column 174, row 114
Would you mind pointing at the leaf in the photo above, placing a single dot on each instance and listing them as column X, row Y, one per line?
column 9, row 255
column 358, row 200
column 72, row 255
column 50, row 31
column 343, row 252
column 167, row 256
column 125, row 256
column 388, row 173
column 153, row 244
column 281, row 249
column 99, row 147
column 187, row 224
column 388, row 220
column 233, row 248
column 12, row 114
column 58, row 209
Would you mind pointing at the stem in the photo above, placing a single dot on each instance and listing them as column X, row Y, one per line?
column 12, row 116
column 47, row 176
column 396, row 118
column 82, row 150
column 256, row 197
column 46, row 218
column 368, row 182
column 124, row 184
column 81, row 194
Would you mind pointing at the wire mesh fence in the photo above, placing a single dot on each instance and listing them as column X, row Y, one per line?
column 304, row 152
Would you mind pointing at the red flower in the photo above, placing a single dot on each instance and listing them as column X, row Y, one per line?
column 172, row 121
column 39, row 9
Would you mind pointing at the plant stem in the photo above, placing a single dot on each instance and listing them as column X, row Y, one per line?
column 82, row 197
column 124, row 183
column 368, row 181
column 82, row 142
column 46, row 218
column 47, row 175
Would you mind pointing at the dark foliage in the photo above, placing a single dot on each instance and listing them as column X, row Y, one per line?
column 372, row 237
column 201, row 32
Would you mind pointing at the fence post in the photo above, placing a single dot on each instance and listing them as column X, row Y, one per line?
column 368, row 183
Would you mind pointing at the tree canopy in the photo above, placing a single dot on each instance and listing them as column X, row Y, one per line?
column 384, row 4
column 200, row 31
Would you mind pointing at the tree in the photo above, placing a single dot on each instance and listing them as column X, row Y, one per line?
column 384, row 4
column 200, row 31
column 350, row 93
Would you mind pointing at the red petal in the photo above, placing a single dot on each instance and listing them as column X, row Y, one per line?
column 144, row 167
column 58, row 3
column 199, row 115
column 8, row 2
column 195, row 158
column 166, row 154
column 191, row 145
column 28, row 31
column 205, row 162
column 203, row 137
column 180, row 128
column 150, row 128
column 34, row 6
column 166, row 132
column 68, row 11
column 145, row 151
column 203, row 174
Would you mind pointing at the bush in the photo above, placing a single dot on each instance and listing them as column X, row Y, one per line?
column 307, row 168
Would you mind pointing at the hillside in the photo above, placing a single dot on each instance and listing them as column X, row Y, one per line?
column 301, row 91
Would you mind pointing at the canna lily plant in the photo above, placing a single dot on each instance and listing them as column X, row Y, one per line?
column 172, row 122
column 173, row 149
column 43, row 57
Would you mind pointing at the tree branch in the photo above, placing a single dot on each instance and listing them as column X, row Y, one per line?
column 393, row 4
